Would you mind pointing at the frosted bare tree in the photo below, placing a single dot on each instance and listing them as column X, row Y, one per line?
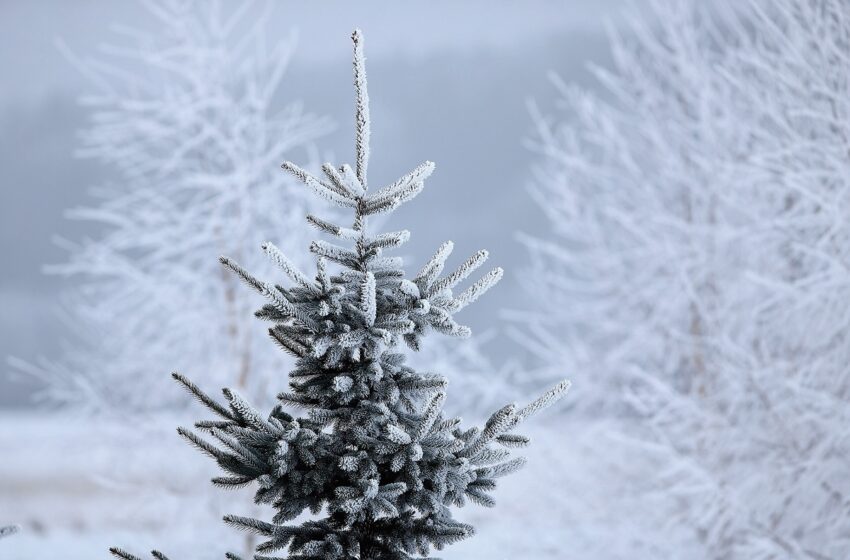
column 189, row 120
column 633, row 262
column 701, row 247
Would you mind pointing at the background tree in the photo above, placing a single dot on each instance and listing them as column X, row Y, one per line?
column 375, row 455
column 701, row 255
column 190, row 122
column 8, row 530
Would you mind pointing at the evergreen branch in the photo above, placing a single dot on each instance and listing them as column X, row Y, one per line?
column 202, row 444
column 423, row 382
column 362, row 108
column 232, row 481
column 443, row 322
column 478, row 289
column 245, row 456
column 549, row 398
column 245, row 411
column 287, row 266
column 333, row 229
column 396, row 325
column 242, row 273
column 410, row 289
column 333, row 252
column 318, row 187
column 393, row 489
column 390, row 239
column 251, row 525
column 290, row 345
column 124, row 555
column 368, row 303
column 397, row 435
column 498, row 423
column 346, row 182
column 512, row 440
column 448, row 424
column 351, row 178
column 385, row 264
column 480, row 497
column 322, row 273
column 502, row 469
column 432, row 411
column 389, row 202
column 418, row 175
column 435, row 265
column 207, row 401
column 207, row 425
column 489, row 455
column 297, row 401
column 464, row 270
column 288, row 308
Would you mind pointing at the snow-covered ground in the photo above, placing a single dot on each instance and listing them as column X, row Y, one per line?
column 78, row 488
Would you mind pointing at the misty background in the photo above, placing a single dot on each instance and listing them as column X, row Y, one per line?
column 673, row 231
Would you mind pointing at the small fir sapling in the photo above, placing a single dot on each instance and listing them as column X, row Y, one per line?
column 374, row 460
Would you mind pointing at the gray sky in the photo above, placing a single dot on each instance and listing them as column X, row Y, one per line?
column 404, row 30
column 449, row 82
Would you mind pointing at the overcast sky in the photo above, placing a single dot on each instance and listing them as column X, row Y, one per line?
column 403, row 30
column 449, row 82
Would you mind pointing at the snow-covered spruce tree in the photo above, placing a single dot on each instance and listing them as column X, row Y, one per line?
column 375, row 460
column 187, row 118
column 700, row 254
